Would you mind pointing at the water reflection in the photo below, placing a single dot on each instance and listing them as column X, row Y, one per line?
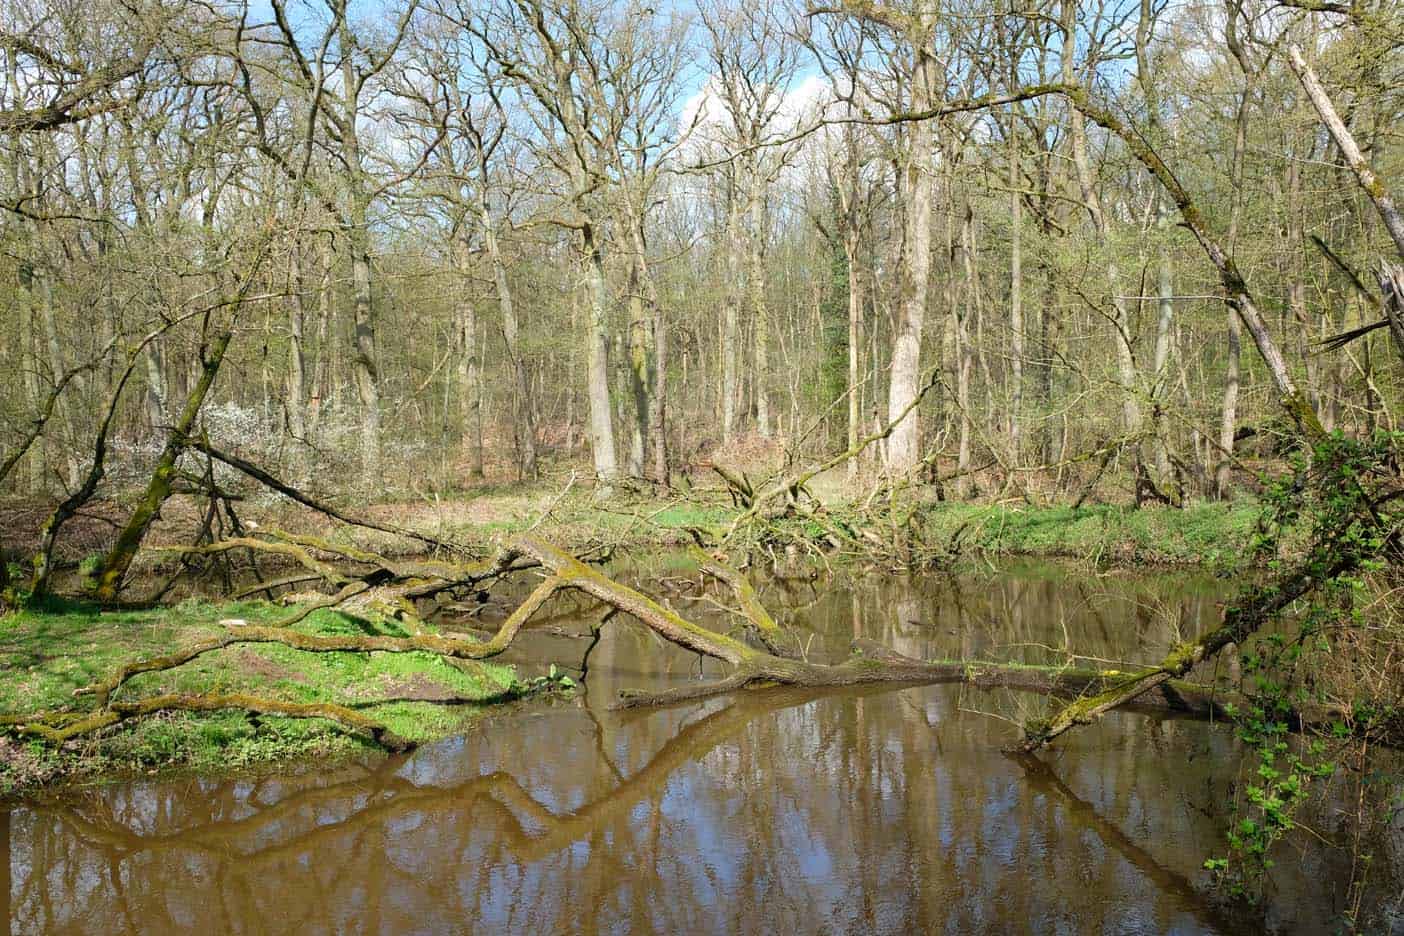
column 861, row 811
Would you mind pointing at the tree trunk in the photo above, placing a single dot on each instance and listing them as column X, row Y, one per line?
column 363, row 341
column 855, row 342
column 524, row 422
column 1163, row 331
column 29, row 368
column 904, row 445
column 1016, row 300
column 119, row 558
column 965, row 355
column 731, row 326
column 295, row 406
column 156, row 392
column 641, row 377
column 597, row 364
column 659, row 417
column 326, row 313
column 1228, row 422
column 755, row 281
column 469, row 369
column 356, row 229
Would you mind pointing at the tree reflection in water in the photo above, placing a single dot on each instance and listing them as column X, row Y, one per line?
column 859, row 811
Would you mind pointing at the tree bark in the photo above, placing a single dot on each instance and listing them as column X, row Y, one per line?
column 855, row 340
column 659, row 417
column 470, row 368
column 296, row 406
column 1373, row 185
column 524, row 425
column 731, row 314
column 904, row 445
column 597, row 363
column 119, row 558
column 755, row 282
column 1164, row 326
column 363, row 361
column 356, row 230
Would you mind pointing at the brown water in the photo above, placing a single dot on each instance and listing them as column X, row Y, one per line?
column 790, row 812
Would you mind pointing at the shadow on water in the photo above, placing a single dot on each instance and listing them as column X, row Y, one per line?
column 854, row 811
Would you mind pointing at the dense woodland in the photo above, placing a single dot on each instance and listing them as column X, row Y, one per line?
column 408, row 245
column 1054, row 253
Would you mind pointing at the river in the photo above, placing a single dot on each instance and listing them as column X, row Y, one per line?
column 870, row 811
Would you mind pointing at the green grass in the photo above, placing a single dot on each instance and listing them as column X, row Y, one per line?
column 1210, row 534
column 48, row 650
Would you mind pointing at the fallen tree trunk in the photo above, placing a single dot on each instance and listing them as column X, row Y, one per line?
column 1095, row 690
column 1240, row 622
column 1158, row 689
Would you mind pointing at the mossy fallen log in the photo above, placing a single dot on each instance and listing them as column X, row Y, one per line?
column 1094, row 690
column 58, row 727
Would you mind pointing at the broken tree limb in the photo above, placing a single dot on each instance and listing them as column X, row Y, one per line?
column 412, row 578
column 796, row 480
column 1373, row 185
column 119, row 558
column 739, row 486
column 324, row 571
column 287, row 490
column 761, row 625
column 1095, row 690
column 870, row 663
column 1240, row 622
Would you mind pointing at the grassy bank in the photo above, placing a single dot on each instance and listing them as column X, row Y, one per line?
column 48, row 651
column 1210, row 533
column 1214, row 535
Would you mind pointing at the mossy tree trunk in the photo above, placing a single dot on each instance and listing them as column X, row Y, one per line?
column 119, row 558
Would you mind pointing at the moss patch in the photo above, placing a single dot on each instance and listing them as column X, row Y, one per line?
column 48, row 650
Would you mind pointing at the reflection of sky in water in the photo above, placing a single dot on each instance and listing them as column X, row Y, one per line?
column 858, row 812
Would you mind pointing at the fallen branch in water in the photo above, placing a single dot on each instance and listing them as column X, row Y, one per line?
column 1097, row 690
column 870, row 662
column 1240, row 622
